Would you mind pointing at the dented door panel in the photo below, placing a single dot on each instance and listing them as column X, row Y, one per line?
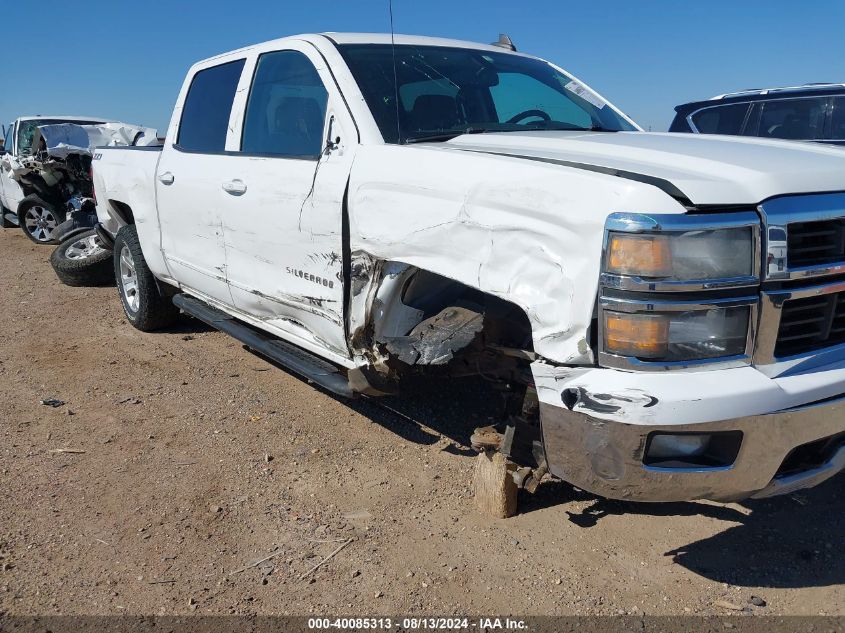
column 283, row 232
column 283, row 246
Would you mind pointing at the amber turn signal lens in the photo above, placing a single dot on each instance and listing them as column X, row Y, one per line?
column 638, row 335
column 642, row 255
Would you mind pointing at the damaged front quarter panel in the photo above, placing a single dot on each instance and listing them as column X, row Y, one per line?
column 525, row 232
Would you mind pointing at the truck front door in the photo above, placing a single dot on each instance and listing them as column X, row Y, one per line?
column 284, row 191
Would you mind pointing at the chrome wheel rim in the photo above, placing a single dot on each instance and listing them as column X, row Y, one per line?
column 128, row 279
column 84, row 248
column 40, row 223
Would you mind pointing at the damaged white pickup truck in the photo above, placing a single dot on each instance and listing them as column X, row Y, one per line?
column 666, row 311
column 45, row 166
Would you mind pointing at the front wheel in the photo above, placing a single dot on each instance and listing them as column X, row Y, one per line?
column 39, row 220
column 145, row 307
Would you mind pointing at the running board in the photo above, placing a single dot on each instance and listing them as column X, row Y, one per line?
column 11, row 217
column 299, row 361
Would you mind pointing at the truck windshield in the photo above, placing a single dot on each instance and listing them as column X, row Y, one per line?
column 445, row 90
column 26, row 131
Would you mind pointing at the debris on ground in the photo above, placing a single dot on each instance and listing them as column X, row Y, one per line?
column 326, row 559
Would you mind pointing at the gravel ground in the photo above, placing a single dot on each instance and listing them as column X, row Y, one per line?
column 179, row 460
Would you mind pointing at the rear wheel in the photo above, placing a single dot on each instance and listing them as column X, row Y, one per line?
column 39, row 219
column 82, row 260
column 145, row 307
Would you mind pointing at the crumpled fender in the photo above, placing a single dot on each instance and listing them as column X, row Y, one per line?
column 527, row 232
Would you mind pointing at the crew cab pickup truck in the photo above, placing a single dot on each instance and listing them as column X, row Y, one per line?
column 666, row 311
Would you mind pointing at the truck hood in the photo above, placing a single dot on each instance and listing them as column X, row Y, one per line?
column 697, row 170
column 64, row 139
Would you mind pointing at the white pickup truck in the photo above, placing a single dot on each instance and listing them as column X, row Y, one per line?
column 667, row 311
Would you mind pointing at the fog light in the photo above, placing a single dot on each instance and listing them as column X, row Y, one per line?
column 692, row 450
column 677, row 446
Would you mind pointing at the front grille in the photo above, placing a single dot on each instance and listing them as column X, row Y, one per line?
column 811, row 323
column 816, row 243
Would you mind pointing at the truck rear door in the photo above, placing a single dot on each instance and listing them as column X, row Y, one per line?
column 189, row 176
column 283, row 190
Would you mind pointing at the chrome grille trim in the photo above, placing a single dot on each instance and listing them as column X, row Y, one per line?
column 778, row 214
column 771, row 311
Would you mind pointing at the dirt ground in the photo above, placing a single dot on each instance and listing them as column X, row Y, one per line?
column 179, row 459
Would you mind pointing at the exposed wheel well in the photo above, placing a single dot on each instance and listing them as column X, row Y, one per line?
column 122, row 212
column 422, row 320
column 427, row 326
column 504, row 321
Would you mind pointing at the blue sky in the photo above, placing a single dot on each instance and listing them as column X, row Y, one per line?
column 126, row 60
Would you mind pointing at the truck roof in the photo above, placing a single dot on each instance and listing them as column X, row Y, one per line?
column 419, row 40
column 370, row 38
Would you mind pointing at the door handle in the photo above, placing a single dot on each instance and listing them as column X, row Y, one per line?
column 166, row 178
column 235, row 187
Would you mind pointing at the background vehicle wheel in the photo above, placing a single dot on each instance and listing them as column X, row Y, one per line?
column 38, row 219
column 83, row 261
column 144, row 305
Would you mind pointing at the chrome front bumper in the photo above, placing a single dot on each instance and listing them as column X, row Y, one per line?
column 597, row 422
column 606, row 458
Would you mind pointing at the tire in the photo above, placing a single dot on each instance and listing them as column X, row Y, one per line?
column 145, row 307
column 82, row 260
column 38, row 219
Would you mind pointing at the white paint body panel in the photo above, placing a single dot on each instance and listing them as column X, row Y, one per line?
column 527, row 232
column 709, row 169
column 686, row 398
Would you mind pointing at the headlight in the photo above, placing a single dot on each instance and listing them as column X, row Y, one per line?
column 678, row 335
column 682, row 256
column 669, row 289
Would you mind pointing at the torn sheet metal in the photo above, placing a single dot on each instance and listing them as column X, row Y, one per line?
column 436, row 340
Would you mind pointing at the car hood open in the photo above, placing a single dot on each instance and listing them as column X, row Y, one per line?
column 697, row 170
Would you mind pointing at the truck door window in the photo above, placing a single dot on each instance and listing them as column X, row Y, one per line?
column 286, row 110
column 837, row 120
column 793, row 119
column 721, row 120
column 207, row 108
column 10, row 138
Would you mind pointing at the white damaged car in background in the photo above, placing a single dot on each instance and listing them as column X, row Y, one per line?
column 45, row 168
column 664, row 313
column 46, row 188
